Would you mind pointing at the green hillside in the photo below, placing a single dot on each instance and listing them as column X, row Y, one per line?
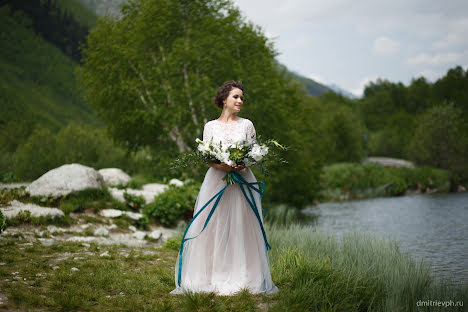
column 36, row 79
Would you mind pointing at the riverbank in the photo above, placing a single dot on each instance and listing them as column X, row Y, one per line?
column 348, row 181
column 314, row 272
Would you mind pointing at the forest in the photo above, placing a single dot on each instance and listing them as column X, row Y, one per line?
column 137, row 92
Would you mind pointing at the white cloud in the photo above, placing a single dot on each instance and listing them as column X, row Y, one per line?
column 359, row 90
column 385, row 46
column 448, row 58
column 317, row 78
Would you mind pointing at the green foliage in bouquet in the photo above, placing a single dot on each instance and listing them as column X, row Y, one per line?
column 174, row 204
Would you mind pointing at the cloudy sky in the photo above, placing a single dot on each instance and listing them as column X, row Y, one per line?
column 349, row 43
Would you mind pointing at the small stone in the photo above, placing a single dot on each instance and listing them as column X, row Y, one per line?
column 111, row 213
column 156, row 234
column 133, row 215
column 75, row 269
column 176, row 182
column 85, row 245
column 132, row 228
column 78, row 258
column 101, row 231
column 139, row 235
column 55, row 267
column 105, row 254
column 111, row 227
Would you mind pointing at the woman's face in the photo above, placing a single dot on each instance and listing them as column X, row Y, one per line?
column 234, row 100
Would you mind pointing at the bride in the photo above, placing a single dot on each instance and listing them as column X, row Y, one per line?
column 229, row 252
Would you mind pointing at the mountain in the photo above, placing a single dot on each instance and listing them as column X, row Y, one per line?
column 341, row 91
column 103, row 7
column 37, row 79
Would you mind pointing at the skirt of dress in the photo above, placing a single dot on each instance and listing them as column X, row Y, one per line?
column 230, row 254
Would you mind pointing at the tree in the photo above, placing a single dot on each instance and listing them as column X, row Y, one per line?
column 152, row 73
column 440, row 140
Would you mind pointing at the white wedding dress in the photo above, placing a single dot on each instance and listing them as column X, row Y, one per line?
column 230, row 254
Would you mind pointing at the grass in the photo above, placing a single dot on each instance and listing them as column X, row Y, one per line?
column 314, row 272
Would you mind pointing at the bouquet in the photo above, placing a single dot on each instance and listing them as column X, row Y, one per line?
column 234, row 154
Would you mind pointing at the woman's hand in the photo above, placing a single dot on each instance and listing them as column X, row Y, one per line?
column 226, row 167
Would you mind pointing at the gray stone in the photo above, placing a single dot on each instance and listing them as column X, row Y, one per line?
column 139, row 235
column 16, row 206
column 156, row 234
column 176, row 182
column 114, row 176
column 148, row 194
column 101, row 231
column 66, row 179
column 111, row 213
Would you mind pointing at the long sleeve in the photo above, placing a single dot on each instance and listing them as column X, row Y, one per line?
column 251, row 135
column 207, row 132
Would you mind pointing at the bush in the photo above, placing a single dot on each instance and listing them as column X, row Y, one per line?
column 173, row 204
column 134, row 202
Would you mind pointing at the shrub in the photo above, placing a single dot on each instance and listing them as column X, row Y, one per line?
column 173, row 204
column 134, row 202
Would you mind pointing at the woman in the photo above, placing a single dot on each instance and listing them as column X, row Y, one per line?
column 230, row 252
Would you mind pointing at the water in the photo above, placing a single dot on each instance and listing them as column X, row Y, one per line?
column 430, row 227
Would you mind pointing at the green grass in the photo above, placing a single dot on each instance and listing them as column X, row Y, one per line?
column 314, row 272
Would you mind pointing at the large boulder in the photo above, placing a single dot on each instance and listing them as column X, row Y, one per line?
column 114, row 176
column 66, row 179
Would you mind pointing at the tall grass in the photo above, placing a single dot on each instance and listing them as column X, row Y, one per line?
column 316, row 271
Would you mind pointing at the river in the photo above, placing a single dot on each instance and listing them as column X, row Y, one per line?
column 431, row 227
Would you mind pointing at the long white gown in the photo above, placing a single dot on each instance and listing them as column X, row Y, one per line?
column 230, row 254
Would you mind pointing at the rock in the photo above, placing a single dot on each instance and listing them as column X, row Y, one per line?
column 132, row 228
column 111, row 213
column 12, row 185
column 139, row 235
column 101, row 231
column 75, row 269
column 133, row 215
column 111, row 227
column 114, row 213
column 66, row 179
column 391, row 162
column 105, row 254
column 114, row 176
column 156, row 234
column 16, row 206
column 176, row 182
column 47, row 241
column 148, row 194
column 461, row 188
column 155, row 188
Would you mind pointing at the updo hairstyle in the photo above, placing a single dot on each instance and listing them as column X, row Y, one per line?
column 223, row 91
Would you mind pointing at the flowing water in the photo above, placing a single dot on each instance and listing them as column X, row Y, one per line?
column 430, row 227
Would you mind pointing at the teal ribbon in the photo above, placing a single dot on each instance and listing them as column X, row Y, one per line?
column 247, row 188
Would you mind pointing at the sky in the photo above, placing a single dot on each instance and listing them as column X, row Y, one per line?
column 350, row 43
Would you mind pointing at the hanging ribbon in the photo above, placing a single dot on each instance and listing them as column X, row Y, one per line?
column 232, row 177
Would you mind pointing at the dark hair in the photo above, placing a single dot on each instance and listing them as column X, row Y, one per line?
column 223, row 91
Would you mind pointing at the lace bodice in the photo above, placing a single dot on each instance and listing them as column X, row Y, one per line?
column 238, row 131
